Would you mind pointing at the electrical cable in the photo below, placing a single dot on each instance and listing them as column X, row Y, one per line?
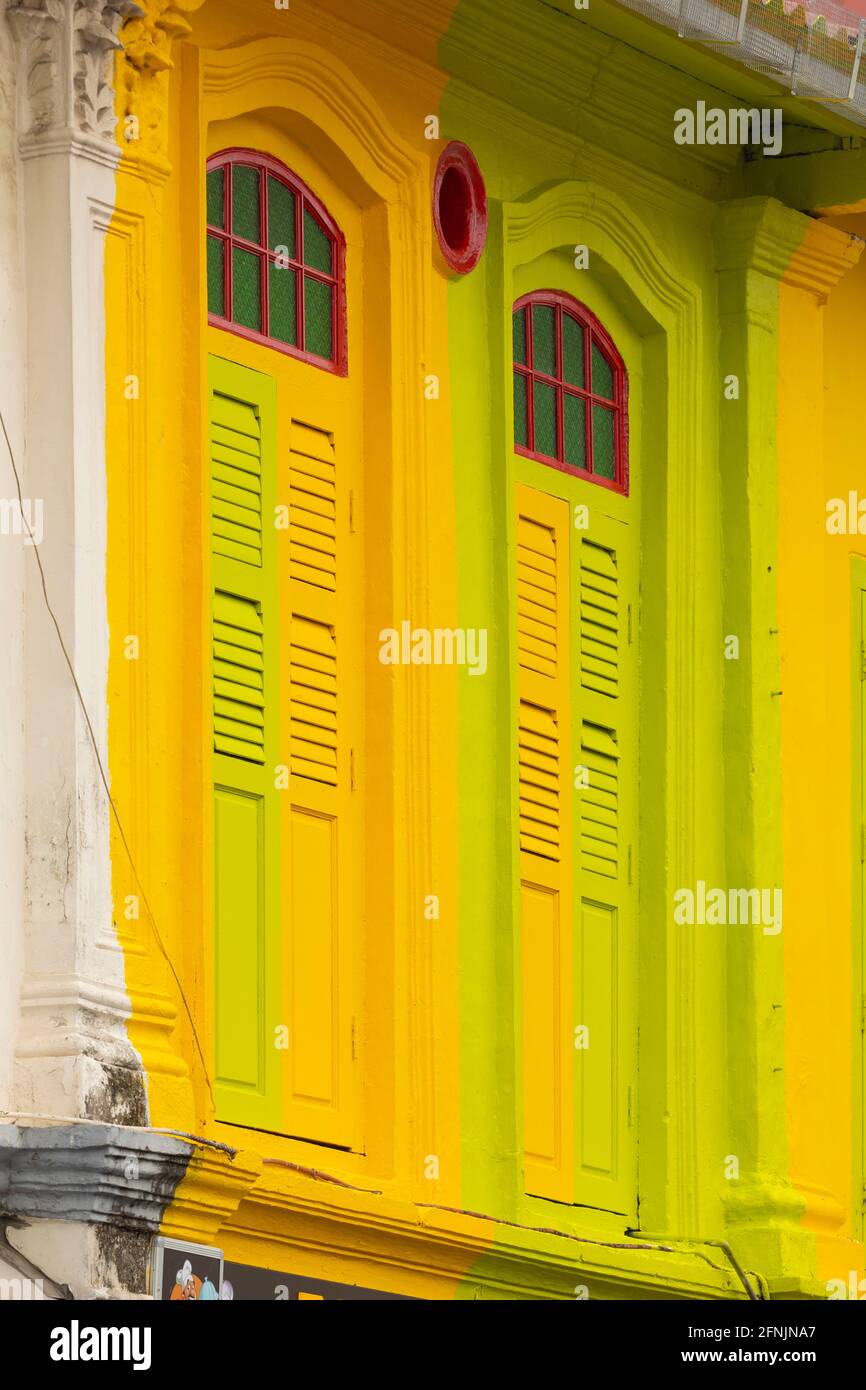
column 102, row 773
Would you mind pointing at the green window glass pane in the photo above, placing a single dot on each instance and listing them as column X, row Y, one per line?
column 317, row 245
column 543, row 339
column 282, row 294
column 544, row 402
column 572, row 351
column 246, row 289
column 216, row 277
column 602, row 375
column 281, row 217
column 574, row 430
column 521, row 428
column 318, row 316
column 603, row 451
column 246, row 209
column 216, row 198
column 518, row 336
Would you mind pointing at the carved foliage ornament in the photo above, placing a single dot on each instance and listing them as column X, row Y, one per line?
column 147, row 40
column 95, row 41
column 67, row 50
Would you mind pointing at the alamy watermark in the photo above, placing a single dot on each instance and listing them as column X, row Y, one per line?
column 436, row 646
column 737, row 126
column 731, row 907
column 854, row 1288
column 22, row 518
column 21, row 1290
column 77, row 1343
column 846, row 516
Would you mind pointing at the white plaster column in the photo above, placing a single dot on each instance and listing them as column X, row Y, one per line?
column 13, row 560
column 73, row 1057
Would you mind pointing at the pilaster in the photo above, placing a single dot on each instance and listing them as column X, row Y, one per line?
column 73, row 1057
column 759, row 245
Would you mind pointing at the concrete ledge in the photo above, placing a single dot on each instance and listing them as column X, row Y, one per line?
column 89, row 1173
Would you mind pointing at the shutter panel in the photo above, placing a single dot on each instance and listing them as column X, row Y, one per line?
column 322, row 703
column 605, row 725
column 543, row 740
column 576, row 710
column 245, row 711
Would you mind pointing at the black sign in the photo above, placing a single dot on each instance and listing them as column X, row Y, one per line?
column 245, row 1282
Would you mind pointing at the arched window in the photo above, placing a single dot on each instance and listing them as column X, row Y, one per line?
column 275, row 259
column 570, row 390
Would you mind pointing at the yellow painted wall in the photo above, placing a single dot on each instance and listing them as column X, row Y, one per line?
column 819, row 424
column 354, row 117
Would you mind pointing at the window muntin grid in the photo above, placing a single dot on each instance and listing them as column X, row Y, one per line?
column 570, row 389
column 275, row 260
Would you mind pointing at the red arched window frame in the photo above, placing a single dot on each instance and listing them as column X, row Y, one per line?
column 591, row 402
column 227, row 242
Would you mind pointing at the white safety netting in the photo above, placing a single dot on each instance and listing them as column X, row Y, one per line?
column 814, row 49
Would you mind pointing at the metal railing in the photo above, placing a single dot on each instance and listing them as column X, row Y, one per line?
column 813, row 47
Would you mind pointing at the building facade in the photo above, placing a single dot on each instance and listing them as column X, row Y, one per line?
column 435, row 791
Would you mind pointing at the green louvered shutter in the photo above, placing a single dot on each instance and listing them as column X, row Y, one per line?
column 245, row 743
column 576, row 746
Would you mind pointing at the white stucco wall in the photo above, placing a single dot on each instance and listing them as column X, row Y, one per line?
column 13, row 558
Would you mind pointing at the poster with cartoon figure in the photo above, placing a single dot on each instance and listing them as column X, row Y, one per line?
column 182, row 1272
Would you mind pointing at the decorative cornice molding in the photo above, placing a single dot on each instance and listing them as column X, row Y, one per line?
column 565, row 70
column 290, row 1213
column 761, row 234
column 217, row 1180
column 90, row 1172
column 66, row 54
column 559, row 214
column 830, row 182
column 823, row 258
column 757, row 234
column 326, row 90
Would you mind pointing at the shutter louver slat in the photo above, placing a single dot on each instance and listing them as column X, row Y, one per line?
column 538, row 752
column 236, row 480
column 313, row 705
column 238, row 678
column 599, row 620
column 599, row 803
column 537, row 655
column 312, row 508
column 600, row 655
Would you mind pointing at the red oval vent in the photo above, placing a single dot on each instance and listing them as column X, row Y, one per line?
column 460, row 207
